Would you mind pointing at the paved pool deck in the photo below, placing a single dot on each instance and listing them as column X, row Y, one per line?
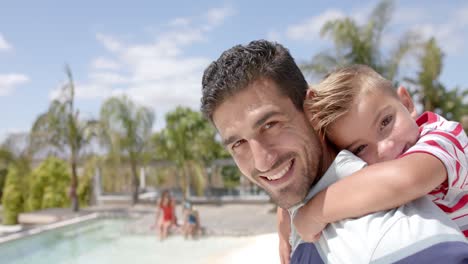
column 229, row 219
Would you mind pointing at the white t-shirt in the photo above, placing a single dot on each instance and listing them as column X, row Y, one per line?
column 418, row 232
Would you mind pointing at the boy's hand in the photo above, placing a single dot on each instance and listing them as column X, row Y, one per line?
column 307, row 226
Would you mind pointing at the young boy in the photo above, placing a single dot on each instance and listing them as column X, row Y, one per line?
column 357, row 109
column 191, row 227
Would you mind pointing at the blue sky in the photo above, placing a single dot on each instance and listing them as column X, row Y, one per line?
column 156, row 51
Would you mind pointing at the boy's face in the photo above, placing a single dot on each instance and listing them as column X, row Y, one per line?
column 378, row 127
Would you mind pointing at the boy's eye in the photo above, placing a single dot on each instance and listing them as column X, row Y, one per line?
column 386, row 121
column 359, row 149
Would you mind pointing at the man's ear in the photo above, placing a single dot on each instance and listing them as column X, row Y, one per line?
column 407, row 101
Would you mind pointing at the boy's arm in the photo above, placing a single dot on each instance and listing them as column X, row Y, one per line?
column 284, row 230
column 378, row 187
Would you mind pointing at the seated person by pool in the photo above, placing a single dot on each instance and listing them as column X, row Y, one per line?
column 191, row 225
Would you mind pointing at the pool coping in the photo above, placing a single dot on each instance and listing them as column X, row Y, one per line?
column 47, row 227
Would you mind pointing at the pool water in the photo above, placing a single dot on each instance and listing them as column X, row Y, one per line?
column 109, row 241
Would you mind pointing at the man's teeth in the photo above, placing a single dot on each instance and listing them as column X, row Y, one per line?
column 279, row 174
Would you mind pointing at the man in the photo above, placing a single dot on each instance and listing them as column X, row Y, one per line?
column 253, row 95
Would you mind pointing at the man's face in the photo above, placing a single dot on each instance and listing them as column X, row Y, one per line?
column 271, row 141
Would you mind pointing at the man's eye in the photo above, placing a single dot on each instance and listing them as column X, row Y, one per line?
column 359, row 149
column 237, row 144
column 270, row 125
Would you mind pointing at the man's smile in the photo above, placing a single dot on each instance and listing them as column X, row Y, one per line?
column 281, row 173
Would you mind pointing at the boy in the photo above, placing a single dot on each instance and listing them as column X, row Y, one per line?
column 357, row 109
column 191, row 225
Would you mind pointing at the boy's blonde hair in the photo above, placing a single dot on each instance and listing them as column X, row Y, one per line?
column 336, row 93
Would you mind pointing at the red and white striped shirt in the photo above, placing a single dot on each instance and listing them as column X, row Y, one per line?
column 447, row 141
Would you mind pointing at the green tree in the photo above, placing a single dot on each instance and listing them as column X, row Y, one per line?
column 126, row 132
column 60, row 128
column 189, row 141
column 430, row 92
column 361, row 44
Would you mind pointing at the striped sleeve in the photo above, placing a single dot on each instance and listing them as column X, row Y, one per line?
column 447, row 141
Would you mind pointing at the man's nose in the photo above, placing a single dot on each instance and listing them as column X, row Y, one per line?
column 386, row 149
column 263, row 156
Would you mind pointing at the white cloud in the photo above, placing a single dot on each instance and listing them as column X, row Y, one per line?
column 409, row 15
column 4, row 45
column 92, row 91
column 450, row 36
column 216, row 16
column 451, row 33
column 362, row 13
column 107, row 78
column 84, row 91
column 157, row 73
column 105, row 64
column 8, row 82
column 310, row 28
column 274, row 35
column 462, row 16
column 57, row 92
column 180, row 22
column 109, row 42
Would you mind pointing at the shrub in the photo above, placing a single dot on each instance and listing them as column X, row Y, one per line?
column 3, row 175
column 49, row 185
column 12, row 197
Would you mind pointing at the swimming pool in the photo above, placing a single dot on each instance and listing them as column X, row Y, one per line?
column 109, row 241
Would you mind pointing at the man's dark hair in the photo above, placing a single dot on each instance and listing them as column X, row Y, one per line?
column 241, row 65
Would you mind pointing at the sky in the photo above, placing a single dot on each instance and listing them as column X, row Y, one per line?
column 155, row 51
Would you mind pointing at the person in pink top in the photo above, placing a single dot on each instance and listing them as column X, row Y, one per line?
column 357, row 109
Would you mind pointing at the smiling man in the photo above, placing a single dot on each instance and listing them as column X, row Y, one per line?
column 254, row 96
column 270, row 140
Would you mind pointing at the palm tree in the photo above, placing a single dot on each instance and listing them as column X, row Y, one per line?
column 126, row 131
column 189, row 141
column 430, row 92
column 361, row 44
column 60, row 129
